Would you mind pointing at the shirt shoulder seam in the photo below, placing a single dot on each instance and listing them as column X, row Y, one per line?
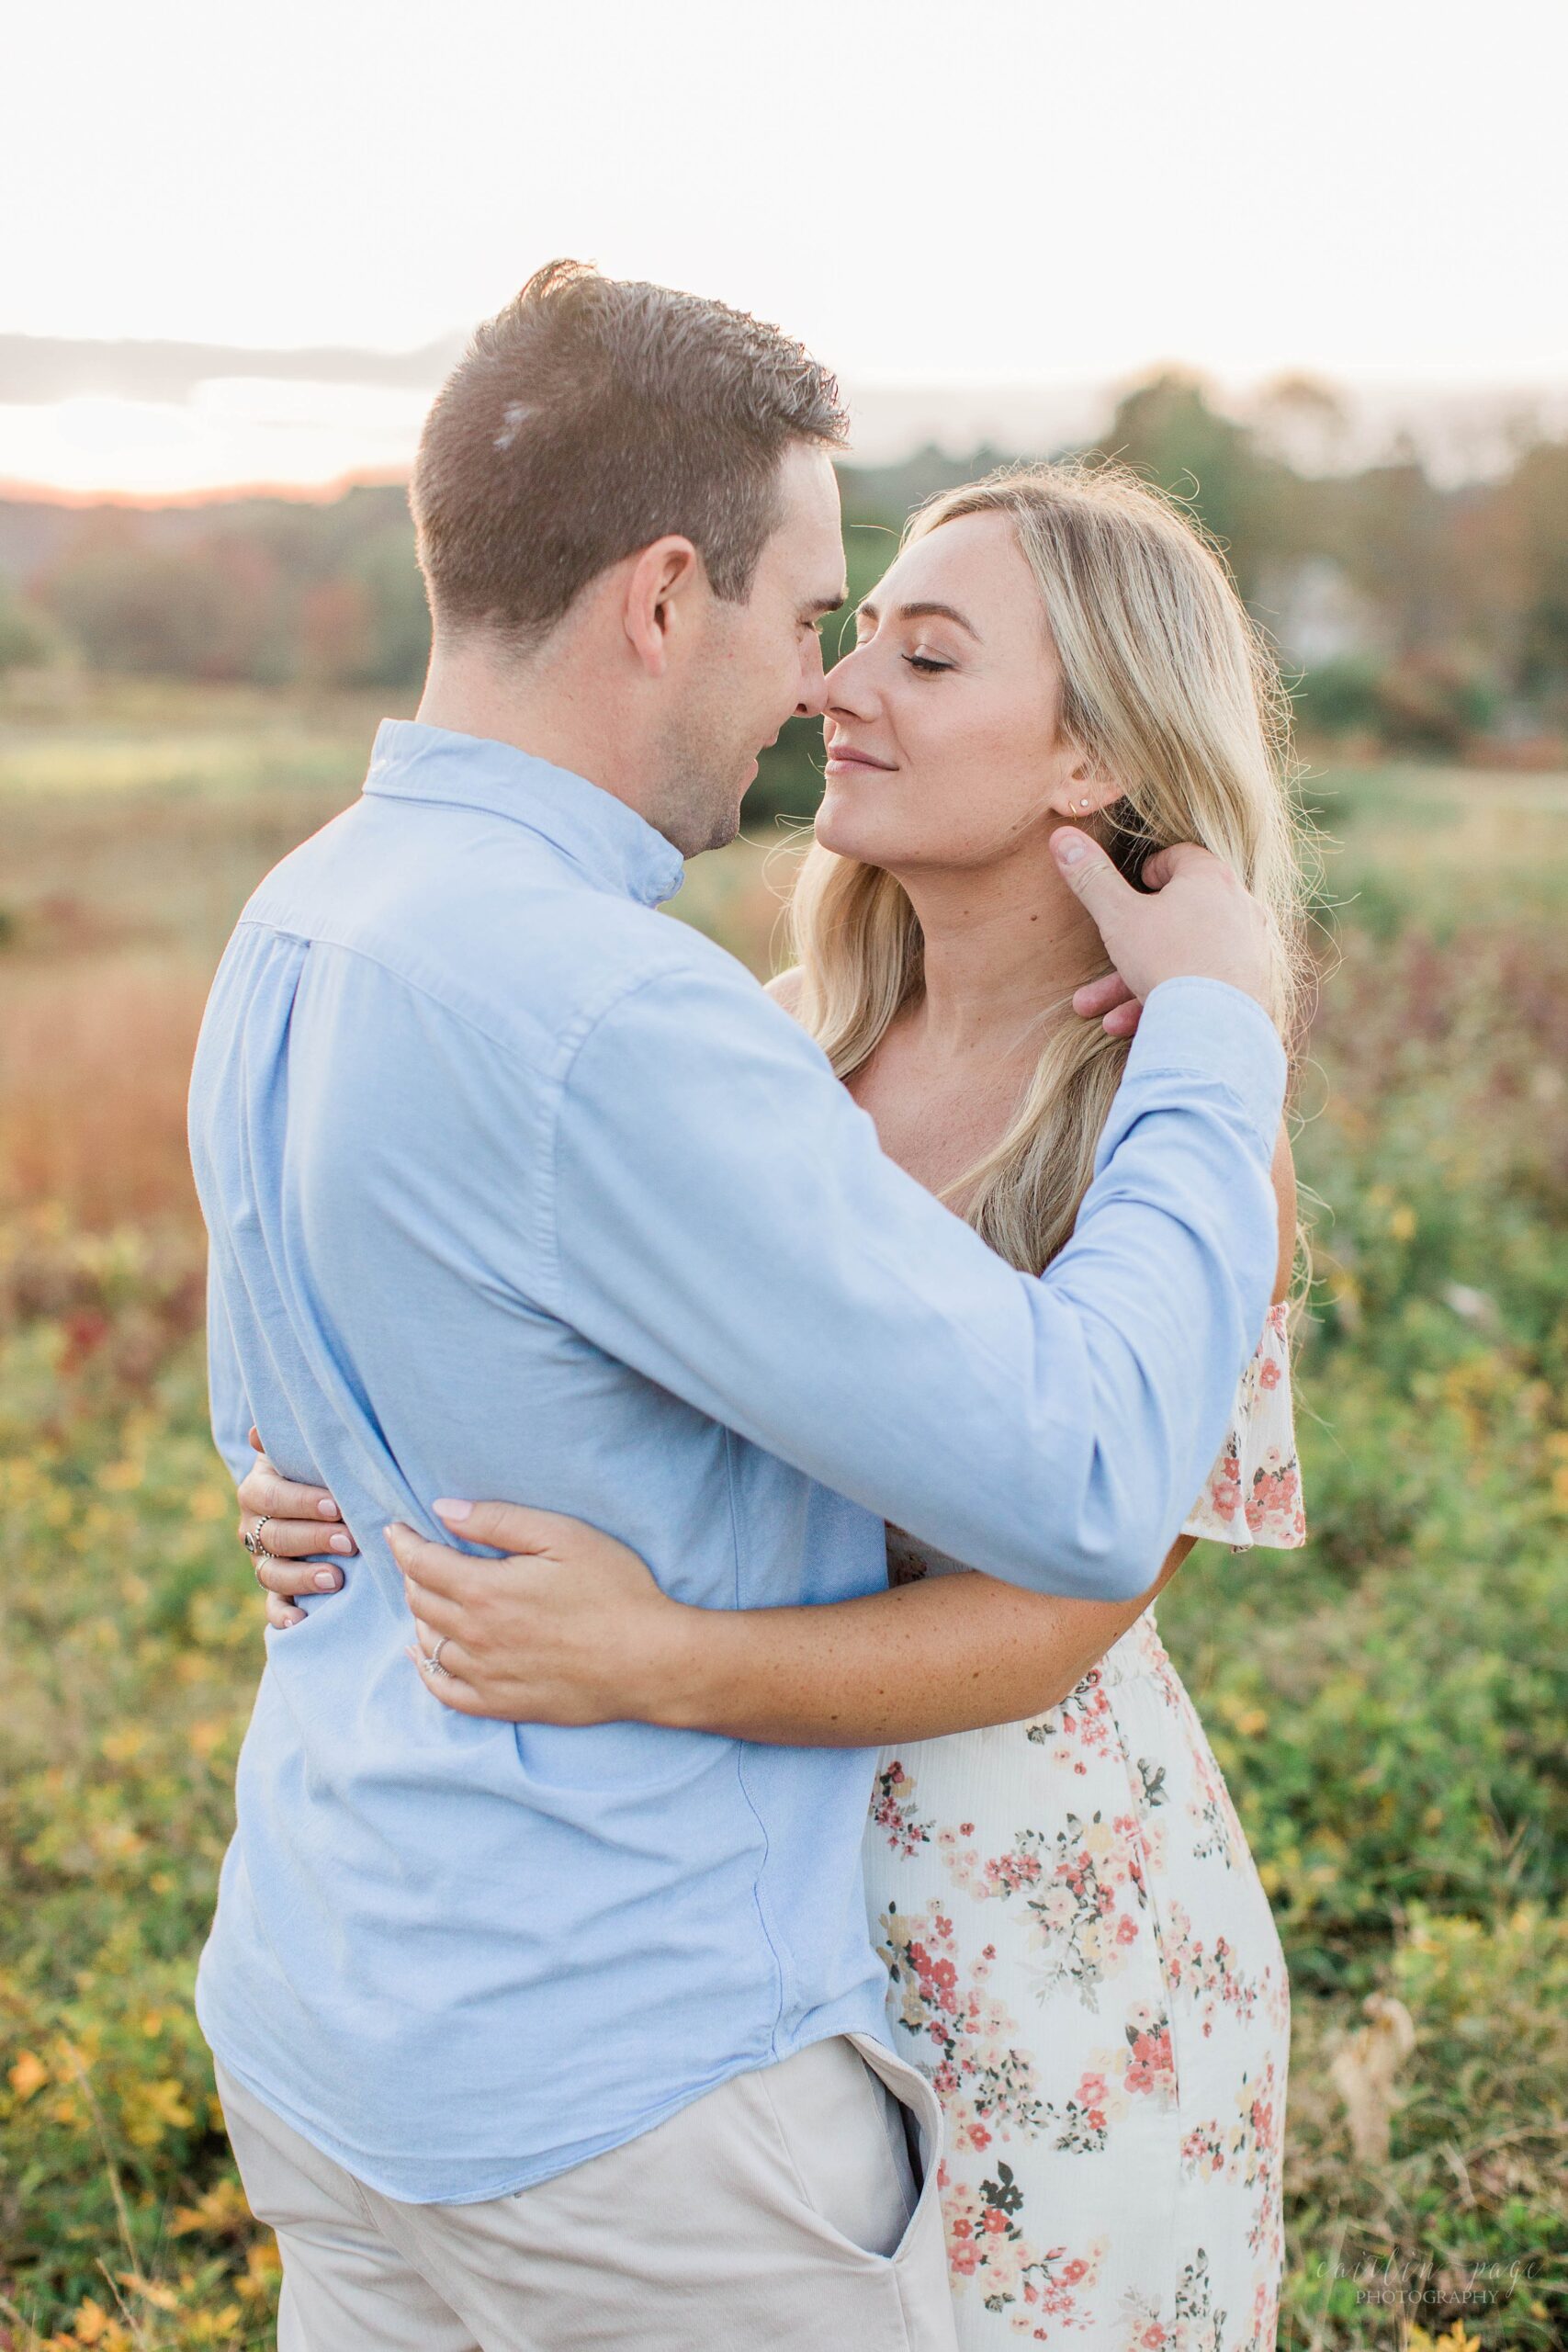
column 464, row 1018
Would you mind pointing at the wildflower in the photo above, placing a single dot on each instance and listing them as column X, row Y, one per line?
column 28, row 2074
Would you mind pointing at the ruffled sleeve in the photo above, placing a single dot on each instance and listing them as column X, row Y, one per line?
column 1254, row 1491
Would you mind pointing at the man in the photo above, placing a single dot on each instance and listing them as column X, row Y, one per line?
column 530, row 2036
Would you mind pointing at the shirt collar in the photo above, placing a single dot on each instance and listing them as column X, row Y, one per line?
column 615, row 846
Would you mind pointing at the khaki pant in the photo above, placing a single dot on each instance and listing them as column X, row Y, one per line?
column 782, row 2211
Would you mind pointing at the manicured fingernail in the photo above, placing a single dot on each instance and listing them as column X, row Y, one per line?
column 328, row 1509
column 327, row 1579
column 450, row 1510
column 1069, row 847
column 340, row 1543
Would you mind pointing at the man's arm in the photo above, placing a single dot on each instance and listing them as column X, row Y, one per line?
column 950, row 1653
column 727, row 1223
column 577, row 1630
column 230, row 1412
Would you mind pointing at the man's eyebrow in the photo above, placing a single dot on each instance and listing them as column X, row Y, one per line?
column 824, row 604
column 921, row 611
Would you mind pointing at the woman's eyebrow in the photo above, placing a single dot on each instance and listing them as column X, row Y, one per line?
column 927, row 611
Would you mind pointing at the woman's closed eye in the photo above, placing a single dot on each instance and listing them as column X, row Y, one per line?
column 925, row 666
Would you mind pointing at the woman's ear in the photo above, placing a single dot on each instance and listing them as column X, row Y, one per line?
column 1085, row 790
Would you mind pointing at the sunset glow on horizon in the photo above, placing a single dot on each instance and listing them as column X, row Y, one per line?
column 1360, row 195
column 94, row 445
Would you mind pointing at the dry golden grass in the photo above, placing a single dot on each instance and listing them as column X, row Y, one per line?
column 92, row 1072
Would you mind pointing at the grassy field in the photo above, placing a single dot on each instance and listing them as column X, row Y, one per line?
column 1389, row 1705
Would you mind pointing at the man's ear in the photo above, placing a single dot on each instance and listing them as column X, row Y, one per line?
column 662, row 585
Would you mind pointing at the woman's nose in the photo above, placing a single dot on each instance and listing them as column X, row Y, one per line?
column 847, row 686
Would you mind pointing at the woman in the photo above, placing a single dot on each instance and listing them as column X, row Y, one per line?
column 1080, row 1954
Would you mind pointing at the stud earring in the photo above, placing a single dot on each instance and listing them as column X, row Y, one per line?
column 1086, row 804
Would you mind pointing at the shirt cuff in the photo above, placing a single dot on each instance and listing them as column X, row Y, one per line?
column 1207, row 1029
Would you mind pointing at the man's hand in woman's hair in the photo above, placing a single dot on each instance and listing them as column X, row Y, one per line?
column 1191, row 919
column 1110, row 1001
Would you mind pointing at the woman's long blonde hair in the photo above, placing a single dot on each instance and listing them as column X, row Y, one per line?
column 1170, row 689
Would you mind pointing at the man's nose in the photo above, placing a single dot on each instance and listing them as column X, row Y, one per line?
column 812, row 684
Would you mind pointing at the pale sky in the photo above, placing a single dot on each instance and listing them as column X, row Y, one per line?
column 994, row 191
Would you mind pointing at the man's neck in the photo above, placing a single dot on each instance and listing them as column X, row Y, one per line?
column 538, row 707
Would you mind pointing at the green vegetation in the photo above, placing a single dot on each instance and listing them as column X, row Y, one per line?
column 1388, row 1704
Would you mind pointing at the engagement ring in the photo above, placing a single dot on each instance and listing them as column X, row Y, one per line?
column 433, row 1663
column 253, row 1542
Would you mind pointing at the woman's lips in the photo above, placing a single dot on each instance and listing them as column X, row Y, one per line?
column 841, row 756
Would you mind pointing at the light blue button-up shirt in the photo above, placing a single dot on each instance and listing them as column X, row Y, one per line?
column 516, row 1188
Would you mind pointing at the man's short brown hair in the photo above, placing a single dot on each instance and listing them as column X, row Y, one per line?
column 592, row 416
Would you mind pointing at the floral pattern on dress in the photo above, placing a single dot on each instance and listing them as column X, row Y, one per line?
column 1211, row 1980
column 1081, row 1958
column 1082, row 1890
column 1190, row 2324
column 892, row 1809
column 1254, row 1491
column 1082, row 1727
column 970, row 2048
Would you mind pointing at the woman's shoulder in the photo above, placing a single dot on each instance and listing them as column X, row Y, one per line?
column 786, row 988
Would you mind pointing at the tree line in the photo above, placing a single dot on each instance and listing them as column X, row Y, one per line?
column 1417, row 615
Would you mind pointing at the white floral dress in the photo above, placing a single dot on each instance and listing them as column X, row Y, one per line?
column 1081, row 1957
